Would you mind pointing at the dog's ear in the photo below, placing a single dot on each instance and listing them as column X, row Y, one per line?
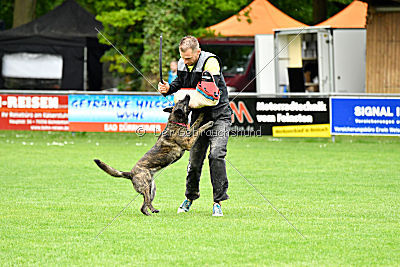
column 168, row 109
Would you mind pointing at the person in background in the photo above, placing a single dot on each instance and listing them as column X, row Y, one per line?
column 173, row 73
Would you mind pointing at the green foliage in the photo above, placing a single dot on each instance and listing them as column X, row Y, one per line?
column 44, row 6
column 122, row 18
column 134, row 27
column 201, row 14
column 336, row 6
column 100, row 6
column 124, row 28
column 303, row 10
column 6, row 13
column 164, row 17
column 136, row 30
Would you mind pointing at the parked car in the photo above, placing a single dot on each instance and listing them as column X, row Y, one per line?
column 238, row 59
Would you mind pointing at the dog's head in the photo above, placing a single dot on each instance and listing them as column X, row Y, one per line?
column 180, row 112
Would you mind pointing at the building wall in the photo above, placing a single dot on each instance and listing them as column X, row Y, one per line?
column 383, row 52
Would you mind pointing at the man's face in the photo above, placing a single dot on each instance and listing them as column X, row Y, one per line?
column 189, row 56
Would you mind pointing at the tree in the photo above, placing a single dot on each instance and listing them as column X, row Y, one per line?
column 303, row 10
column 6, row 13
column 319, row 10
column 134, row 26
column 166, row 18
column 123, row 26
column 24, row 11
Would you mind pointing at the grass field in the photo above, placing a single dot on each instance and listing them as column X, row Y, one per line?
column 343, row 196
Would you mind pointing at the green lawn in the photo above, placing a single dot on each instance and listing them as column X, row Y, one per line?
column 343, row 196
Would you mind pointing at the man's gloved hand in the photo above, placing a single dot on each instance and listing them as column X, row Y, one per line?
column 163, row 87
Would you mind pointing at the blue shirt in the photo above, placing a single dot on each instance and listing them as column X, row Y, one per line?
column 171, row 76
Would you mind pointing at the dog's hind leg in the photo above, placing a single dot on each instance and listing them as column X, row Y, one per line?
column 148, row 198
column 140, row 186
column 152, row 195
column 147, row 203
column 152, row 190
column 143, row 183
column 143, row 209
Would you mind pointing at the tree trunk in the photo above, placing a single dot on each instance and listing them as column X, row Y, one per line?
column 319, row 10
column 24, row 11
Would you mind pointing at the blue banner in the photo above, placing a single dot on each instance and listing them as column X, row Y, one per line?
column 365, row 116
column 118, row 108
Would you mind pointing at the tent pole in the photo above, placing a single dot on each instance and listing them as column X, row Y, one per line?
column 85, row 68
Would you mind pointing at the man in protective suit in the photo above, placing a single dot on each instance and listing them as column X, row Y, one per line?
column 191, row 65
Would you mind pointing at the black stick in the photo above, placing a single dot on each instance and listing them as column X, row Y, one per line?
column 160, row 60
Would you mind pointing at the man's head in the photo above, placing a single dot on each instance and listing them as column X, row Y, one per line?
column 189, row 50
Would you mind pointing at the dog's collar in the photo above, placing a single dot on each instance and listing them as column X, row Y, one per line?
column 180, row 124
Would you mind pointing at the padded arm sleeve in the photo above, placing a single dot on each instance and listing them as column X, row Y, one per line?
column 212, row 65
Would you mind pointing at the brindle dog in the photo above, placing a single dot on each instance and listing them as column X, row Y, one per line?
column 170, row 147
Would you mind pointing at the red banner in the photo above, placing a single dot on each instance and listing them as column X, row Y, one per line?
column 34, row 112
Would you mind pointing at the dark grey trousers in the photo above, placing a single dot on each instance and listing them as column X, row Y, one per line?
column 217, row 139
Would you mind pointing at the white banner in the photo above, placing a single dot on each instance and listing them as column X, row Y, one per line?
column 29, row 65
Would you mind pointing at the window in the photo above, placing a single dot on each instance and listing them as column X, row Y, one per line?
column 32, row 70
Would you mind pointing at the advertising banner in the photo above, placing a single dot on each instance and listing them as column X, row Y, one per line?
column 144, row 114
column 312, row 130
column 34, row 112
column 255, row 116
column 118, row 113
column 365, row 116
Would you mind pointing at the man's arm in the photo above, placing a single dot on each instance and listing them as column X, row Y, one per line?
column 174, row 86
column 168, row 89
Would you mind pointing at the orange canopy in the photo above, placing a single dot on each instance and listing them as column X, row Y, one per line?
column 264, row 19
column 353, row 16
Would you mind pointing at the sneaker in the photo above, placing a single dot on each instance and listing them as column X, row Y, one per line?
column 217, row 211
column 185, row 206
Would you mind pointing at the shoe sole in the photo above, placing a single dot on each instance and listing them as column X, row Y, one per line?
column 181, row 210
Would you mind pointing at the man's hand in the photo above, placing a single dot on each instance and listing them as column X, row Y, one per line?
column 163, row 87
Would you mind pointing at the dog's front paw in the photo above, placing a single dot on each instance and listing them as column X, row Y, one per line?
column 201, row 116
column 145, row 212
column 209, row 124
column 155, row 211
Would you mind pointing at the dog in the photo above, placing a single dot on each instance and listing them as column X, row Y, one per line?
column 169, row 148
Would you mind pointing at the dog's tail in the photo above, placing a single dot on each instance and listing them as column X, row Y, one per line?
column 111, row 171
